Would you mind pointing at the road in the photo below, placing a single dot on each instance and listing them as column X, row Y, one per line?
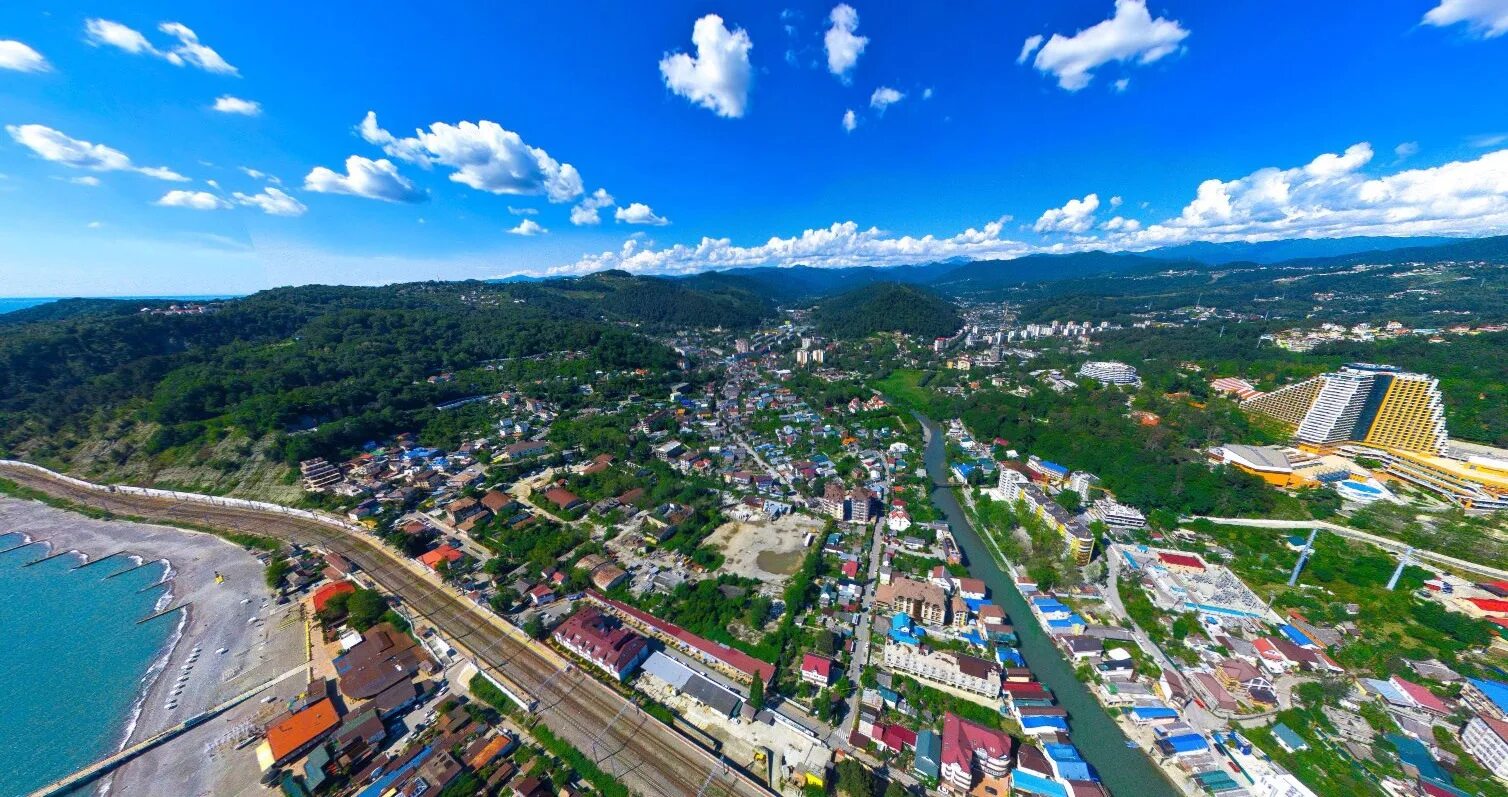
column 1349, row 533
column 639, row 751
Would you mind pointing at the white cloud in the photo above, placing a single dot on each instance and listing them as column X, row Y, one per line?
column 252, row 173
column 377, row 179
column 19, row 57
column 1115, row 201
column 1331, row 197
column 1122, row 224
column 1485, row 18
column 719, row 75
column 192, row 52
column 842, row 244
column 523, row 211
column 1131, row 34
column 528, row 227
column 884, row 97
column 484, row 156
column 89, row 180
column 1076, row 216
column 1407, row 149
column 228, row 104
column 927, row 93
column 188, row 51
column 850, row 120
column 1486, row 140
column 586, row 212
column 192, row 200
column 52, row 145
column 1122, row 84
column 640, row 213
column 843, row 45
column 1028, row 47
column 94, row 225
column 273, row 202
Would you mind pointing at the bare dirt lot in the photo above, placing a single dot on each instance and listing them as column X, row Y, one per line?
column 768, row 550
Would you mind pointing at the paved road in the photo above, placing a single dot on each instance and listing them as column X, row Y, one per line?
column 639, row 751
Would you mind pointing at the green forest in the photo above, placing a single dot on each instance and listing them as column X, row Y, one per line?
column 887, row 307
column 321, row 369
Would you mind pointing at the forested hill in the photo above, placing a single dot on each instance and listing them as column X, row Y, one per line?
column 887, row 307
column 336, row 365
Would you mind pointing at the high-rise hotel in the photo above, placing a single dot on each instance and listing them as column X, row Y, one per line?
column 1399, row 415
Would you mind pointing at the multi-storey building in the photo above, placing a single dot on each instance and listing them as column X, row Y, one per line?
column 860, row 505
column 1487, row 741
column 1110, row 373
column 971, row 750
column 1117, row 516
column 926, row 603
column 946, row 667
column 602, row 640
column 1376, row 405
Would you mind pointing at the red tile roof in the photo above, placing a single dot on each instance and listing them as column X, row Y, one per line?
column 601, row 638
column 445, row 553
column 1181, row 560
column 736, row 659
column 960, row 738
column 821, row 665
column 1490, row 605
column 288, row 736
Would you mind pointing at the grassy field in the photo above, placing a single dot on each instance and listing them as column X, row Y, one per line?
column 904, row 386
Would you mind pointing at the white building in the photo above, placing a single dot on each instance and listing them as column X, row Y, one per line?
column 1117, row 516
column 1487, row 741
column 957, row 670
column 1109, row 372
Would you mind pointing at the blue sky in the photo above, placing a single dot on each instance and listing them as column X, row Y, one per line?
column 719, row 134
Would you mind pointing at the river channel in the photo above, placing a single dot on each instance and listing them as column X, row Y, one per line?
column 1125, row 772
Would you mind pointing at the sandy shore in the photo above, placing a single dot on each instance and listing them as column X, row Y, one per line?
column 261, row 640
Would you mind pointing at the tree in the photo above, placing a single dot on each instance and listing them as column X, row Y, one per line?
column 365, row 608
column 276, row 570
column 756, row 694
column 895, row 789
column 854, row 779
column 534, row 627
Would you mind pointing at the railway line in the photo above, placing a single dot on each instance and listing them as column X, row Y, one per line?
column 639, row 751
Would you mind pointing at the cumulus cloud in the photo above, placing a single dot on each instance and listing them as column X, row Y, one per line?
column 187, row 51
column 1485, row 18
column 639, row 213
column 484, row 155
column 523, row 211
column 192, row 200
column 884, row 97
column 52, row 145
column 1121, row 224
column 1130, row 35
column 1028, row 47
column 528, row 227
column 1076, row 216
column 843, row 45
column 1331, row 196
column 19, row 57
column 273, row 202
column 236, row 105
column 842, row 244
column 586, row 211
column 719, row 75
column 850, row 120
column 377, row 179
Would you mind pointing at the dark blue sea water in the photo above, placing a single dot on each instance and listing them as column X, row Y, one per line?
column 11, row 304
column 73, row 662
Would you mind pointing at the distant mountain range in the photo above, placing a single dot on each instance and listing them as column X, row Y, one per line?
column 805, row 283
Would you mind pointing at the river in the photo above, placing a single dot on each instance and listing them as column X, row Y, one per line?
column 1124, row 771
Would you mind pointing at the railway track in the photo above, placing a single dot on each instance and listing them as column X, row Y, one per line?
column 639, row 751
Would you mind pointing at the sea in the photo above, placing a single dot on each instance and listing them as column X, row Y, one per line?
column 75, row 661
column 14, row 303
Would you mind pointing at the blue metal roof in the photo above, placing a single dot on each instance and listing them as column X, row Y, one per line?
column 1297, row 636
column 1044, row 722
column 1070, row 764
column 1186, row 743
column 1153, row 712
column 1031, row 783
column 1496, row 691
column 1286, row 736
